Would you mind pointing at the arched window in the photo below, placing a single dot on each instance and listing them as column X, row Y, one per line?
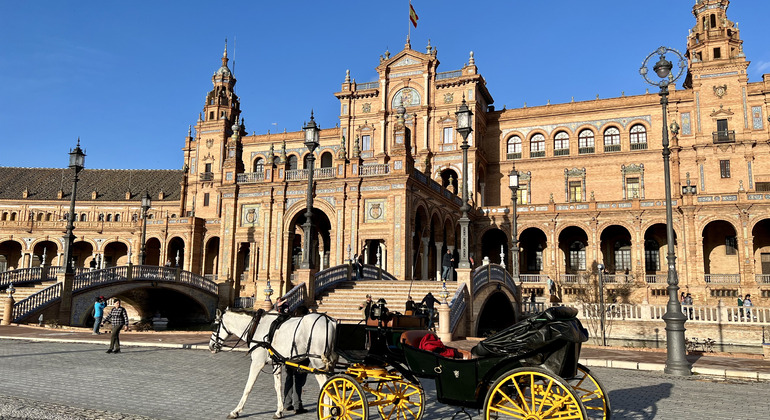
column 48, row 217
column 586, row 141
column 13, row 216
column 5, row 216
column 291, row 163
column 651, row 255
column 134, row 217
column 84, row 217
column 101, row 217
column 326, row 160
column 259, row 165
column 40, row 217
column 577, row 256
column 109, row 217
column 611, row 140
column 117, row 217
column 537, row 146
column 638, row 137
column 561, row 144
column 514, row 147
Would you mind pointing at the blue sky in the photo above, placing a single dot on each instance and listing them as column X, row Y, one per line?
column 128, row 78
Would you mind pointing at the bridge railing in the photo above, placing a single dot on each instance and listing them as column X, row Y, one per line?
column 243, row 302
column 105, row 275
column 296, row 296
column 27, row 275
column 186, row 277
column 36, row 301
column 326, row 279
column 490, row 273
column 457, row 307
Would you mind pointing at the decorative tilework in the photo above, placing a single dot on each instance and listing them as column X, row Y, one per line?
column 756, row 117
column 686, row 124
column 574, row 125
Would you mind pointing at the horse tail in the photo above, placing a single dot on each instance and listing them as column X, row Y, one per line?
column 329, row 358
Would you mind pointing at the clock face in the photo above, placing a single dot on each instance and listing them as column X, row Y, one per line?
column 410, row 96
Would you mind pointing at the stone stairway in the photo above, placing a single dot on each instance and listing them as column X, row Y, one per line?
column 23, row 292
column 342, row 302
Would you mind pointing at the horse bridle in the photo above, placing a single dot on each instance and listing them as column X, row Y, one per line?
column 219, row 342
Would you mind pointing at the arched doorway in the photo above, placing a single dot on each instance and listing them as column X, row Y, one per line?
column 175, row 252
column 49, row 249
column 115, row 253
column 655, row 250
column 82, row 253
column 326, row 160
column 761, row 234
column 493, row 243
column 152, row 252
column 616, row 249
column 496, row 315
column 532, row 243
column 320, row 240
column 10, row 255
column 211, row 263
column 573, row 243
column 720, row 251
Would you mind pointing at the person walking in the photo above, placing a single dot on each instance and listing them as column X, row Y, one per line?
column 532, row 302
column 99, row 306
column 429, row 302
column 446, row 265
column 747, row 306
column 740, row 305
column 295, row 378
column 118, row 317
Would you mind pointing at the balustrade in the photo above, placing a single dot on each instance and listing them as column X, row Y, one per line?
column 374, row 169
column 250, row 177
column 533, row 278
column 722, row 278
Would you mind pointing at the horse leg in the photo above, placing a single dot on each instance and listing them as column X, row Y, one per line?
column 277, row 369
column 258, row 360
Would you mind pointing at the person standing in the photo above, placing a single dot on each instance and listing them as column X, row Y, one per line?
column 747, row 306
column 118, row 317
column 429, row 301
column 366, row 307
column 446, row 265
column 295, row 378
column 740, row 305
column 532, row 302
column 99, row 306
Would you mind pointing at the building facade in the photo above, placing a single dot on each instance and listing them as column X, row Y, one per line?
column 388, row 181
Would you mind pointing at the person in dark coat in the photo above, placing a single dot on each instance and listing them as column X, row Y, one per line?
column 446, row 265
column 429, row 302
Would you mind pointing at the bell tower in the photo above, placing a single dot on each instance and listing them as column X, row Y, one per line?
column 222, row 102
column 714, row 42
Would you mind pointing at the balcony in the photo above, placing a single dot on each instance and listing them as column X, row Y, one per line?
column 762, row 278
column 618, row 278
column 611, row 148
column 656, row 278
column 369, row 85
column 538, row 154
column 206, row 176
column 296, row 175
column 513, row 156
column 561, row 152
column 250, row 177
column 585, row 150
column 722, row 278
column 533, row 278
column 638, row 146
column 726, row 136
column 374, row 169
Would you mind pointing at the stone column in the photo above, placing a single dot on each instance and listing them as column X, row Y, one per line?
column 439, row 257
column 26, row 261
column 8, row 310
column 444, row 334
column 425, row 253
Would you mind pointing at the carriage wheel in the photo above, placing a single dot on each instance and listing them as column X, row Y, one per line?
column 592, row 393
column 407, row 400
column 532, row 394
column 342, row 397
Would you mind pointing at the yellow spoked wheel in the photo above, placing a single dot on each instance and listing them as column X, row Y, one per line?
column 342, row 397
column 592, row 393
column 532, row 393
column 400, row 399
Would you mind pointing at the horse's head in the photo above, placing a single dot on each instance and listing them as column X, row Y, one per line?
column 219, row 334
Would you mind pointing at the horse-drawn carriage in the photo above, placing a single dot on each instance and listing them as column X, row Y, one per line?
column 527, row 371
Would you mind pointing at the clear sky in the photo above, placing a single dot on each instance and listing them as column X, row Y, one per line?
column 129, row 77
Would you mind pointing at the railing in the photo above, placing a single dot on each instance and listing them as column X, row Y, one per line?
column 569, row 278
column 762, row 278
column 296, row 296
column 323, row 173
column 639, row 146
column 533, row 278
column 618, row 278
column 532, row 308
column 561, row 152
column 368, row 85
column 296, row 175
column 537, row 154
column 457, row 307
column 448, row 147
column 374, row 169
column 206, row 176
column 198, row 281
column 36, row 301
column 611, row 148
column 250, row 177
column 719, row 314
column 27, row 275
column 726, row 136
column 655, row 278
column 513, row 156
column 449, row 74
column 212, row 277
column 105, row 275
column 492, row 273
column 243, row 302
column 331, row 276
column 585, row 150
column 722, row 278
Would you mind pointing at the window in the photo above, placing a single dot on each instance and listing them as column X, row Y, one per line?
column 366, row 142
column 109, row 217
column 206, row 200
column 611, row 140
column 207, row 167
column 83, row 217
column 622, row 256
column 561, row 144
column 521, row 195
column 514, row 147
column 651, row 256
column 535, row 259
column 638, row 137
column 763, row 186
column 537, row 146
column 577, row 256
column 717, row 53
column 632, row 188
column 449, row 135
column 724, row 168
column 586, row 142
column 731, row 245
column 291, row 163
column 259, row 165
column 117, row 217
column 575, row 191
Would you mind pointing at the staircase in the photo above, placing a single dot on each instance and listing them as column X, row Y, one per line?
column 23, row 292
column 342, row 302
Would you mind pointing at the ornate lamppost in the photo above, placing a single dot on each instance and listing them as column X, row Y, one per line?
column 513, row 184
column 77, row 163
column 603, row 313
column 464, row 115
column 311, row 141
column 676, row 360
column 146, row 204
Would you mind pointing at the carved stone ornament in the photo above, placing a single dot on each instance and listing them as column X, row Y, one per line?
column 449, row 98
column 209, row 143
column 367, row 107
column 720, row 91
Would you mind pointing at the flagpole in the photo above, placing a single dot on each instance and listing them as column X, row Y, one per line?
column 409, row 23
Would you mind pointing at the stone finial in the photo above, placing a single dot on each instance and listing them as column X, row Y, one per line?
column 342, row 153
column 347, row 76
column 408, row 44
column 428, row 48
column 357, row 148
column 471, row 60
column 189, row 130
column 282, row 156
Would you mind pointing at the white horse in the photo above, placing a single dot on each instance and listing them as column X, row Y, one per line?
column 312, row 335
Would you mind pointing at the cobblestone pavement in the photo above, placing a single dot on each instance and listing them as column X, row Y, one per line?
column 79, row 381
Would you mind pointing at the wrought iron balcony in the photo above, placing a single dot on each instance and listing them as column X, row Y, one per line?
column 726, row 136
column 207, row 176
column 639, row 146
column 250, row 177
column 561, row 152
column 537, row 154
column 611, row 148
column 585, row 150
column 513, row 156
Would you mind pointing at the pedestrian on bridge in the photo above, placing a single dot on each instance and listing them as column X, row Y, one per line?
column 447, row 262
column 118, row 317
column 99, row 306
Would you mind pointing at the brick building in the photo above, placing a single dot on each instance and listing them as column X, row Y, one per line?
column 388, row 177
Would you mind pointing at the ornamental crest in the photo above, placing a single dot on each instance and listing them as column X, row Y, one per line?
column 449, row 98
column 250, row 215
column 720, row 91
column 209, row 143
column 375, row 211
column 367, row 107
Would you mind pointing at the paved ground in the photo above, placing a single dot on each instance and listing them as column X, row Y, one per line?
column 66, row 380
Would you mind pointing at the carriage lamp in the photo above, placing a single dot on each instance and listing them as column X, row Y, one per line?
column 444, row 294
column 379, row 311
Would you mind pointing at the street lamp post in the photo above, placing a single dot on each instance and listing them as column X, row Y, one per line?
column 311, row 141
column 676, row 361
column 513, row 184
column 603, row 314
column 464, row 115
column 146, row 204
column 77, row 162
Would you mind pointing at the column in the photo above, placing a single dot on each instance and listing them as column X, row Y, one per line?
column 425, row 253
column 439, row 257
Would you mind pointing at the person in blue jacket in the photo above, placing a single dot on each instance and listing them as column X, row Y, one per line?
column 99, row 306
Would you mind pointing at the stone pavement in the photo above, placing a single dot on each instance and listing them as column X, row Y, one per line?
column 740, row 366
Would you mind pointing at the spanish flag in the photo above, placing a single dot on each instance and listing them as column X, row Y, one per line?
column 413, row 15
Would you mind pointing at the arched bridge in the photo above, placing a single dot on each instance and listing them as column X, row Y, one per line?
column 149, row 290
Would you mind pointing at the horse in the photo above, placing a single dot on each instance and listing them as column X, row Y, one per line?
column 311, row 335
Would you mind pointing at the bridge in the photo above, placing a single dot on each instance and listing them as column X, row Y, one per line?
column 147, row 290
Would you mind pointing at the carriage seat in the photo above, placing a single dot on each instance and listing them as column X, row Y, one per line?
column 413, row 338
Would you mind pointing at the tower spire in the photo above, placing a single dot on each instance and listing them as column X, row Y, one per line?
column 224, row 55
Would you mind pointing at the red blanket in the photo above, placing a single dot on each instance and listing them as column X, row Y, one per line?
column 432, row 343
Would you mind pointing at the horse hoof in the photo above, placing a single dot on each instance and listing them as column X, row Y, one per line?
column 232, row 416
column 277, row 416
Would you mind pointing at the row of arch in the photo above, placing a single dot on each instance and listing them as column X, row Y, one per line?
column 79, row 217
column 586, row 140
column 292, row 162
